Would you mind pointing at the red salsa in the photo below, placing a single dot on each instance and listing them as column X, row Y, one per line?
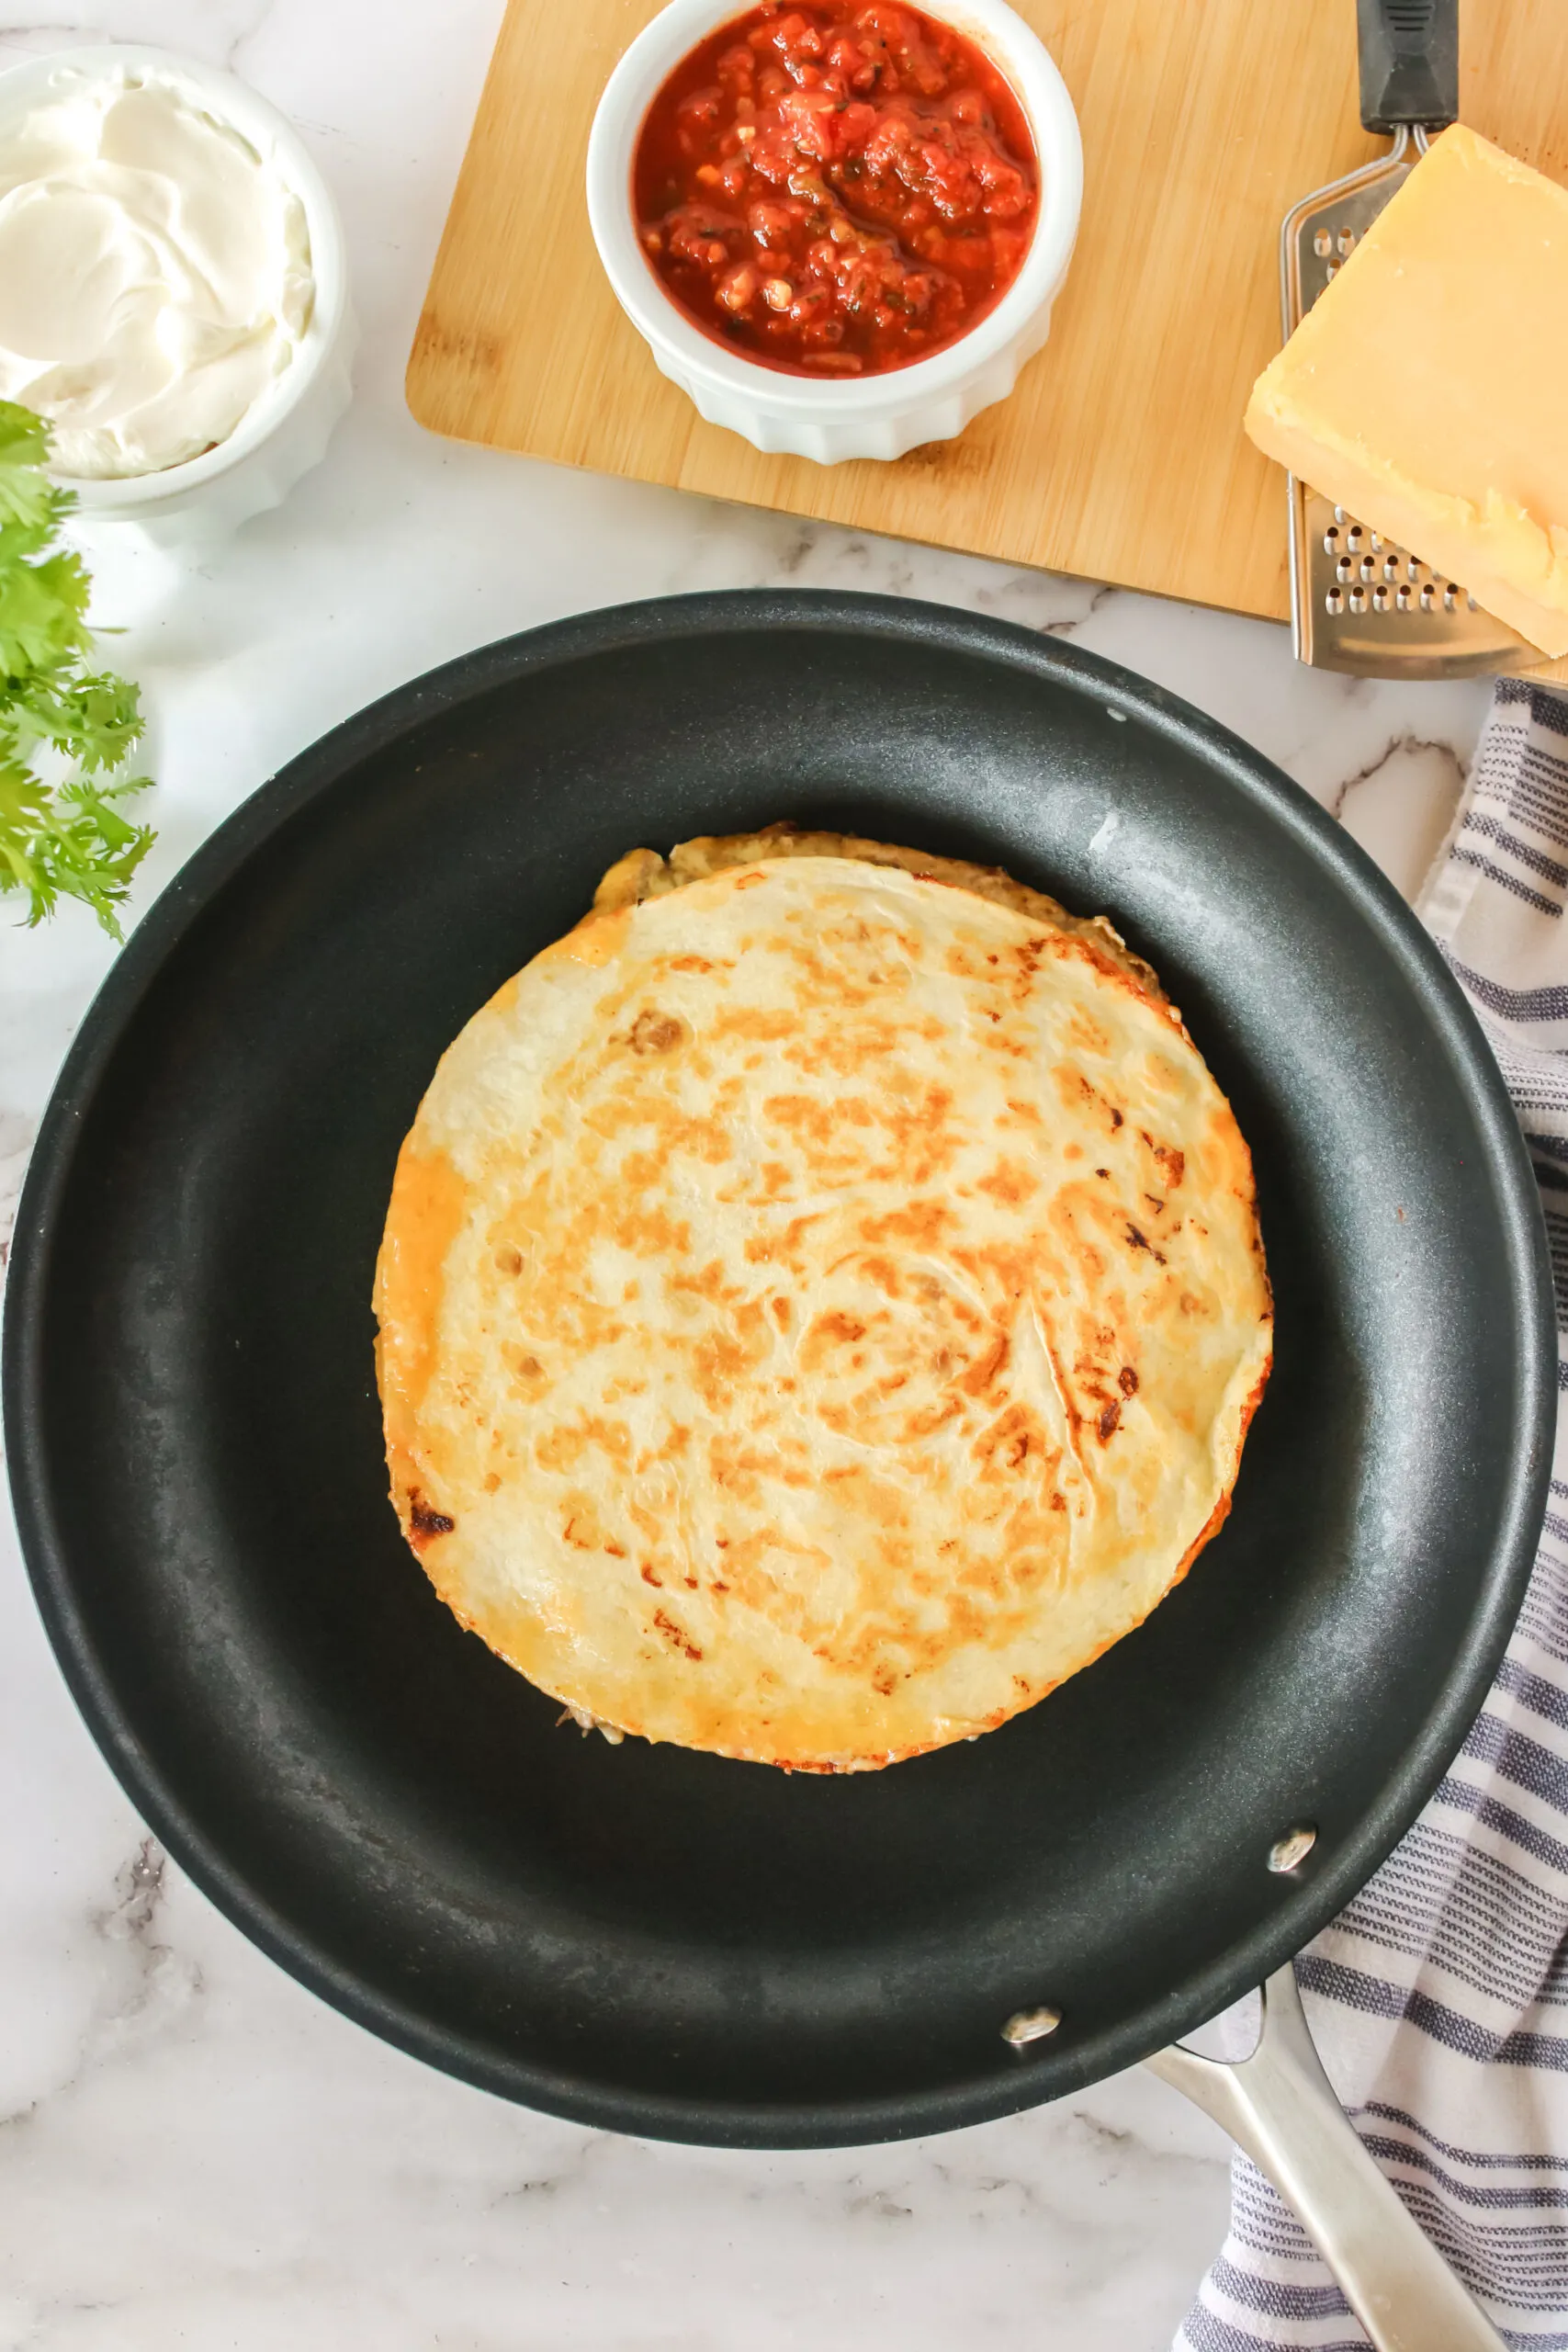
column 836, row 190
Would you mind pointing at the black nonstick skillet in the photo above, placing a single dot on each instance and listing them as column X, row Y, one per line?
column 666, row 1942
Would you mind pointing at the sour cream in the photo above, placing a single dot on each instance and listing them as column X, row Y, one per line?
column 155, row 274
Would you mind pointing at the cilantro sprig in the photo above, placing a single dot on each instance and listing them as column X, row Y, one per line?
column 66, row 730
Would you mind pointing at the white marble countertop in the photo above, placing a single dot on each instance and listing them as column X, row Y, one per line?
column 193, row 2150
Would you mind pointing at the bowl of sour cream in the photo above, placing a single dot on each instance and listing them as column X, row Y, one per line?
column 173, row 290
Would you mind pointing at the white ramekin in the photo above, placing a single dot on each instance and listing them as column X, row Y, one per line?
column 285, row 432
column 880, row 416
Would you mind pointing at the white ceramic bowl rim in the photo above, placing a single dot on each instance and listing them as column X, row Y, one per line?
column 273, row 136
column 659, row 47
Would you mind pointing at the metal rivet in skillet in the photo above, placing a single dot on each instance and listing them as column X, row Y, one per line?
column 1031, row 2025
column 1292, row 1849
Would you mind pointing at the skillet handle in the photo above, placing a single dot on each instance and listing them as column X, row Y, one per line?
column 1280, row 2106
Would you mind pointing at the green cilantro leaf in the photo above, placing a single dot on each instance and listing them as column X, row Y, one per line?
column 63, row 833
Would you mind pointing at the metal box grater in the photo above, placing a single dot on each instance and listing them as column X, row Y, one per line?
column 1358, row 602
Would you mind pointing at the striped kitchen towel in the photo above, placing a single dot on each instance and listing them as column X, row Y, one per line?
column 1439, row 1998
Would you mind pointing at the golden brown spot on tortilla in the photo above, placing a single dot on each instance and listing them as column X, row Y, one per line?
column 1108, row 1421
column 658, row 1033
column 1087, row 1035
column 509, row 1260
column 1009, row 1182
column 752, row 1021
column 563, row 1446
column 672, row 1632
column 834, row 1325
column 425, row 1523
column 979, row 1376
column 1127, row 1381
column 814, row 1123
column 650, row 1232
column 921, row 1224
column 778, row 1249
column 1010, row 1441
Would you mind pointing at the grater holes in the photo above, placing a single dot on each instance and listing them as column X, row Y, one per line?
column 1333, row 267
column 1323, row 244
column 1345, row 241
column 1371, row 574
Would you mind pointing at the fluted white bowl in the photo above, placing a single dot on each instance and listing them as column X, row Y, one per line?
column 287, row 430
column 876, row 416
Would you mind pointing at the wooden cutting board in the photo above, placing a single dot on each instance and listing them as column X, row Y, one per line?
column 1120, row 455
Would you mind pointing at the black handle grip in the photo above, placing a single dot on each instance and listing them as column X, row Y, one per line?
column 1409, row 61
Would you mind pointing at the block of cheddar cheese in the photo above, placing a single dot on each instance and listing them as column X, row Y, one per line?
column 1427, row 388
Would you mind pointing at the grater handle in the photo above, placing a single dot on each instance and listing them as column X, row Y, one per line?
column 1409, row 61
